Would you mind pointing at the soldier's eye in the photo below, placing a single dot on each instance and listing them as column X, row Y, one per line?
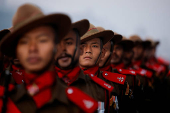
column 95, row 46
column 69, row 43
column 43, row 40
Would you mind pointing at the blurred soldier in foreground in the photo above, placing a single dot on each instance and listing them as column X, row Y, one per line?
column 33, row 41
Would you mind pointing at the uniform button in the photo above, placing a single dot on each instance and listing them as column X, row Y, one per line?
column 106, row 74
column 133, row 72
column 69, row 91
column 22, row 81
column 120, row 70
column 92, row 75
column 109, row 86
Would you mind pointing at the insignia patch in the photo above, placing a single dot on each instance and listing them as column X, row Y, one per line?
column 33, row 89
column 88, row 103
column 120, row 79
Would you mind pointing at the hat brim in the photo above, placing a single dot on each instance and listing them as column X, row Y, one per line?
column 4, row 33
column 105, row 36
column 61, row 21
column 82, row 26
column 157, row 43
column 117, row 38
column 127, row 44
column 146, row 44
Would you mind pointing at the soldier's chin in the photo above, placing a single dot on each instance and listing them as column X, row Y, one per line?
column 64, row 64
column 115, row 61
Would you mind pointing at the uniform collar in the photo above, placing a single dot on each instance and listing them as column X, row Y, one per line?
column 137, row 63
column 130, row 66
column 17, row 74
column 106, row 68
column 93, row 70
column 58, row 92
column 15, row 68
column 70, row 75
column 118, row 66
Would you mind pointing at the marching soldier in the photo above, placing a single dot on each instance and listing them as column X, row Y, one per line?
column 118, row 66
column 33, row 41
column 67, row 59
column 115, row 79
column 91, row 52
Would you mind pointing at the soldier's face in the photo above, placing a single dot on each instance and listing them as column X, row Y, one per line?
column 147, row 53
column 35, row 49
column 90, row 51
column 117, row 54
column 107, row 48
column 128, row 55
column 66, row 49
column 138, row 52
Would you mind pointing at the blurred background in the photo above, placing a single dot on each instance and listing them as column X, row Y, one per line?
column 147, row 18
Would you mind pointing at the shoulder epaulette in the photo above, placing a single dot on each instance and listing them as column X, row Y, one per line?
column 144, row 72
column 114, row 77
column 101, row 82
column 126, row 71
column 156, row 67
column 82, row 100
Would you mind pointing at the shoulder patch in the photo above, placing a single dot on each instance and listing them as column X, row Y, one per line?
column 114, row 77
column 127, row 72
column 144, row 72
column 101, row 82
column 82, row 100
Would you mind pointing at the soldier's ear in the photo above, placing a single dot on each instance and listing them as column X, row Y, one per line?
column 103, row 52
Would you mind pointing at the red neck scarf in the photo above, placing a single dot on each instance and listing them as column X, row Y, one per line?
column 17, row 74
column 39, row 86
column 69, row 76
column 152, row 60
column 119, row 66
column 92, row 70
column 137, row 64
column 106, row 68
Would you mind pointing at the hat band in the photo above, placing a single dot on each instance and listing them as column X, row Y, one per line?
column 89, row 33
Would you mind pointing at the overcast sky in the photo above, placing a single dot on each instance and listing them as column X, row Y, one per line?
column 147, row 18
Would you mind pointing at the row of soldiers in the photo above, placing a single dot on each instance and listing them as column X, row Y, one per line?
column 49, row 64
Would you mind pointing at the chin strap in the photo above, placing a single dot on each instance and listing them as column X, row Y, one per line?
column 73, row 63
column 111, row 51
column 101, row 47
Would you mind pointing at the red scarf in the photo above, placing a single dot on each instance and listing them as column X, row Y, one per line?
column 106, row 68
column 152, row 60
column 68, row 76
column 137, row 64
column 17, row 74
column 119, row 66
column 38, row 86
column 92, row 70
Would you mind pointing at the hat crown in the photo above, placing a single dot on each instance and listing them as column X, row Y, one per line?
column 92, row 30
column 100, row 29
column 26, row 13
column 135, row 38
